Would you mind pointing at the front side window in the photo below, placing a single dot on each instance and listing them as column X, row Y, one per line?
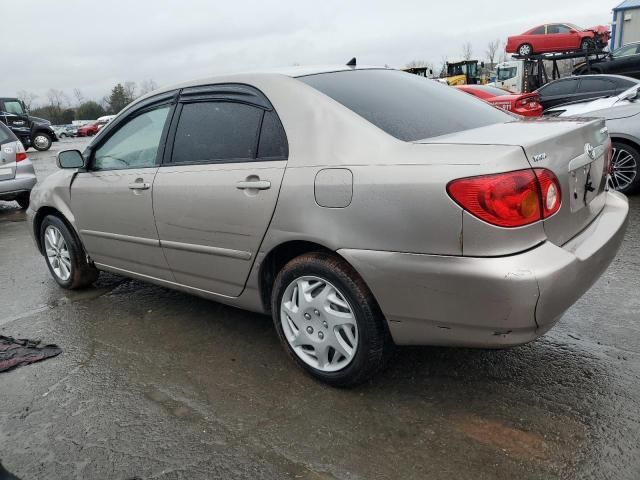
column 406, row 106
column 135, row 144
column 14, row 107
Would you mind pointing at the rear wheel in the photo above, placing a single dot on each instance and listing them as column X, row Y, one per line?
column 23, row 200
column 624, row 175
column 64, row 255
column 525, row 50
column 42, row 142
column 328, row 321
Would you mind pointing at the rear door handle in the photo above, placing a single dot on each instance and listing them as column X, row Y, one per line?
column 139, row 186
column 253, row 185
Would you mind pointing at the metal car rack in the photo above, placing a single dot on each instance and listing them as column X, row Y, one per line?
column 535, row 72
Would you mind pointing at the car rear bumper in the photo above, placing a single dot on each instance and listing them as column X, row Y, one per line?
column 489, row 302
column 24, row 181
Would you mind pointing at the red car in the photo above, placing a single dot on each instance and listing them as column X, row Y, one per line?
column 558, row 37
column 88, row 130
column 526, row 104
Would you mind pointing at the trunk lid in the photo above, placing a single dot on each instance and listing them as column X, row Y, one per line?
column 574, row 150
column 8, row 160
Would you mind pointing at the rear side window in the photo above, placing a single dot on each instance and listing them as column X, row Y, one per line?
column 562, row 87
column 538, row 31
column 589, row 85
column 6, row 135
column 407, row 106
column 273, row 143
column 211, row 132
column 624, row 83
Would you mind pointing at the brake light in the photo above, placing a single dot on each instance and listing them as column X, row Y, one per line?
column 510, row 199
column 20, row 153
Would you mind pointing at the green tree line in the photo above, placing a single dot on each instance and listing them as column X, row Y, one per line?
column 59, row 109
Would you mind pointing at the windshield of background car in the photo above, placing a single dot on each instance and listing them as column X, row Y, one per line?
column 507, row 73
column 624, row 51
column 574, row 27
column 404, row 105
column 13, row 107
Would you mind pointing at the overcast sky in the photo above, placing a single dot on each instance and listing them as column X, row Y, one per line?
column 92, row 45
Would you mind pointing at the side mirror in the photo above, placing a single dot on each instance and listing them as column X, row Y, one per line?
column 70, row 159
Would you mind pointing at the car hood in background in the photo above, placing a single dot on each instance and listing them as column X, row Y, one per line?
column 625, row 110
column 588, row 107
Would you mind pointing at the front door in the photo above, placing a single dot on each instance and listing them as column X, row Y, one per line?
column 112, row 201
column 215, row 196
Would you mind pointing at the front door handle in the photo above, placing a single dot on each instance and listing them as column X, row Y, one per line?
column 253, row 185
column 139, row 186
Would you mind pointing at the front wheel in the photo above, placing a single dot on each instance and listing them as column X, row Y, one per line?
column 587, row 45
column 623, row 171
column 42, row 142
column 328, row 321
column 64, row 255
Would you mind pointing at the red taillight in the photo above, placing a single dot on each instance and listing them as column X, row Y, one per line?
column 510, row 199
column 20, row 153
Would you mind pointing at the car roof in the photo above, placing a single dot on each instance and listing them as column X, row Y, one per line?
column 291, row 72
column 596, row 75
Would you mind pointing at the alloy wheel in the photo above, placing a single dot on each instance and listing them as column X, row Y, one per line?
column 319, row 324
column 57, row 253
column 624, row 169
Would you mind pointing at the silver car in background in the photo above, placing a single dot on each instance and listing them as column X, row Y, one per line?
column 360, row 207
column 17, row 176
column 622, row 115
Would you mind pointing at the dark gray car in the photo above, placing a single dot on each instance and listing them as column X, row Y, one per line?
column 585, row 87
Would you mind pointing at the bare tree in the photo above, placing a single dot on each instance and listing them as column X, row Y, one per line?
column 79, row 97
column 467, row 51
column 57, row 98
column 492, row 50
column 130, row 91
column 417, row 64
column 443, row 66
column 147, row 86
column 28, row 98
column 503, row 52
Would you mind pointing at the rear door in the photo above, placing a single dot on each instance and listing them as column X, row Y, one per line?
column 112, row 200
column 215, row 194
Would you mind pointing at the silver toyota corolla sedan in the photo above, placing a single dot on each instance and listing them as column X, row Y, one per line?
column 17, row 176
column 360, row 207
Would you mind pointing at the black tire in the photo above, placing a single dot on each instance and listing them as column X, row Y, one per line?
column 525, row 50
column 631, row 166
column 587, row 45
column 42, row 142
column 82, row 274
column 374, row 341
column 23, row 200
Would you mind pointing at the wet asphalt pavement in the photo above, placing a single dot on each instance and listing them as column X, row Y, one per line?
column 158, row 384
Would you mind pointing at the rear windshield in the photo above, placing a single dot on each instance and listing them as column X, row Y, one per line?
column 404, row 105
column 6, row 135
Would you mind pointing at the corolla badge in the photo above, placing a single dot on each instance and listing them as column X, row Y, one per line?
column 590, row 151
column 539, row 157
